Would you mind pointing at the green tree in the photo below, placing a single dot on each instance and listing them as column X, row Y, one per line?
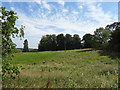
column 61, row 42
column 113, row 26
column 54, row 42
column 48, row 43
column 68, row 41
column 102, row 36
column 25, row 49
column 88, row 41
column 76, row 42
column 51, row 42
column 42, row 45
column 8, row 31
column 115, row 40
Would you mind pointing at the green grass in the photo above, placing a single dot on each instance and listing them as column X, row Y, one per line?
column 33, row 57
column 65, row 69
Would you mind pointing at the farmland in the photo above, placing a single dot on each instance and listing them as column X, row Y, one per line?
column 81, row 68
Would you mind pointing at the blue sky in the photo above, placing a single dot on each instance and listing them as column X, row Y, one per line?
column 41, row 18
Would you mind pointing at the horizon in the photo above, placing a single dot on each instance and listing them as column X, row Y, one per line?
column 61, row 17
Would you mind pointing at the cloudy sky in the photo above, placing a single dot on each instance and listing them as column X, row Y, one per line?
column 41, row 18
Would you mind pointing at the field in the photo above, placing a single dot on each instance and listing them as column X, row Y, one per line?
column 82, row 68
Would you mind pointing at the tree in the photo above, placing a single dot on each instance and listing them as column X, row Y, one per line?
column 102, row 36
column 25, row 49
column 61, row 42
column 51, row 42
column 42, row 44
column 9, row 30
column 88, row 41
column 114, row 43
column 115, row 40
column 54, row 42
column 48, row 43
column 113, row 26
column 76, row 42
column 68, row 41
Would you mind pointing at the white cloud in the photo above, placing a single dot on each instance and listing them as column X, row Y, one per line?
column 46, row 5
column 95, row 12
column 65, row 10
column 38, row 1
column 61, row 2
column 75, row 12
column 80, row 7
column 37, row 26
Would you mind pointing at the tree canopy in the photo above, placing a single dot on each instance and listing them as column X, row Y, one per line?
column 113, row 26
column 88, row 40
column 101, row 38
column 76, row 42
column 102, row 35
column 9, row 30
column 25, row 49
column 59, row 42
column 114, row 43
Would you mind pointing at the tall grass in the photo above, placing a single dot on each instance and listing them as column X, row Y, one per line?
column 65, row 69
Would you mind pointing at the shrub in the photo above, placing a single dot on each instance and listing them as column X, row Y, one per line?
column 17, row 51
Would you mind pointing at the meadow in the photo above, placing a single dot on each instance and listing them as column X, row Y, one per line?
column 81, row 68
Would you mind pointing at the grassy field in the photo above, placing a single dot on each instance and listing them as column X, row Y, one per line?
column 65, row 69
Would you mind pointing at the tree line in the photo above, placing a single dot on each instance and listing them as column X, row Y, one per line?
column 59, row 42
column 103, row 38
column 107, row 38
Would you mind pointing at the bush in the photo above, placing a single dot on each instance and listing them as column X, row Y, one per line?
column 17, row 51
column 9, row 70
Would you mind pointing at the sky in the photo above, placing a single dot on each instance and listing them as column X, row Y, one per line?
column 42, row 17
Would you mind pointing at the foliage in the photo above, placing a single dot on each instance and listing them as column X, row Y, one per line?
column 59, row 42
column 68, row 41
column 9, row 30
column 113, row 26
column 115, row 40
column 76, row 42
column 25, row 49
column 102, row 36
column 47, row 43
column 10, row 70
column 88, row 41
column 17, row 51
